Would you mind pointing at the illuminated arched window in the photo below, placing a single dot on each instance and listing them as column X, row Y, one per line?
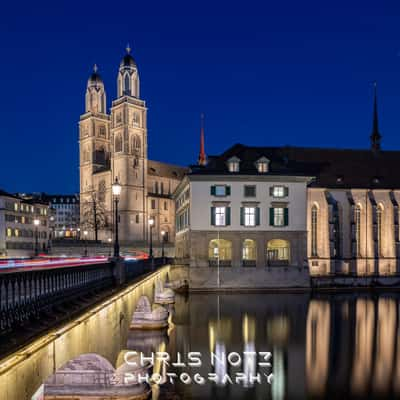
column 118, row 143
column 379, row 214
column 220, row 249
column 357, row 222
column 314, row 231
column 278, row 251
column 249, row 250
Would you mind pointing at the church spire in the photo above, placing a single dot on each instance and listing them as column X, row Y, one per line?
column 202, row 160
column 375, row 135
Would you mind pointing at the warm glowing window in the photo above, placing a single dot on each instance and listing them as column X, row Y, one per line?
column 220, row 216
column 314, row 231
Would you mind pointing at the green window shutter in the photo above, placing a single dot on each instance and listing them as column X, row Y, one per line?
column 212, row 190
column 286, row 216
column 212, row 215
column 228, row 190
column 228, row 216
column 271, row 216
column 271, row 190
column 286, row 191
column 257, row 215
column 241, row 216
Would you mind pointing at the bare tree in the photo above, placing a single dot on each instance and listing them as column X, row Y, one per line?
column 94, row 215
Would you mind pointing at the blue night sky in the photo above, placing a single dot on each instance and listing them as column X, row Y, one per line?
column 264, row 73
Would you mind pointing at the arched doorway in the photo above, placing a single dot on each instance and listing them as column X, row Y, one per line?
column 220, row 251
column 249, row 253
column 278, row 252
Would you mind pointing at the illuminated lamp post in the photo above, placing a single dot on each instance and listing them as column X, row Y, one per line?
column 36, row 222
column 116, row 191
column 162, row 245
column 151, row 226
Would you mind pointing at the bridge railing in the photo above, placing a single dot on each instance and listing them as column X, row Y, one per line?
column 25, row 294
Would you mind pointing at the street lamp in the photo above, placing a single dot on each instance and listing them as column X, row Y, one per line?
column 36, row 222
column 51, row 237
column 85, row 233
column 116, row 191
column 109, row 241
column 151, row 225
column 162, row 244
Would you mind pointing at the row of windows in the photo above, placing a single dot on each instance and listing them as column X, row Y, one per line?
column 262, row 165
column 19, row 207
column 10, row 232
column 135, row 143
column 249, row 216
column 182, row 198
column 277, row 191
column 135, row 118
column 182, row 220
column 22, row 219
column 19, row 245
column 67, row 200
column 158, row 187
column 356, row 231
column 153, row 205
column 276, row 250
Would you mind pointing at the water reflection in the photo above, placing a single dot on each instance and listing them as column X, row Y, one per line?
column 342, row 345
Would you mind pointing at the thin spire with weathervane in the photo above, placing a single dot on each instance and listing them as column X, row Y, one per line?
column 95, row 68
column 202, row 160
column 375, row 135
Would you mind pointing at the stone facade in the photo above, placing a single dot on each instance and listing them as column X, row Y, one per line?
column 17, row 229
column 365, row 239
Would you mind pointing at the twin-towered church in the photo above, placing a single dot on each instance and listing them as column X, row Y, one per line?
column 113, row 144
column 335, row 210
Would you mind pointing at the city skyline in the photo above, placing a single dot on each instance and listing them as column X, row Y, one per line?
column 259, row 76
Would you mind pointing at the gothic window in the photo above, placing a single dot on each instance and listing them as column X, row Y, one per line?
column 127, row 85
column 118, row 118
column 135, row 119
column 136, row 144
column 118, row 143
column 379, row 212
column 314, row 231
column 135, row 162
column 336, row 231
column 102, row 131
column 357, row 221
column 102, row 191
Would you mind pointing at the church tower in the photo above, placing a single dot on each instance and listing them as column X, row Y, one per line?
column 94, row 140
column 129, row 150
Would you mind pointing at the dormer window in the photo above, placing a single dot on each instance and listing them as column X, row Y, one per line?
column 262, row 165
column 233, row 164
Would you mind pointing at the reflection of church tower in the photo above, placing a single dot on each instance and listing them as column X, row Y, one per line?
column 94, row 136
column 129, row 156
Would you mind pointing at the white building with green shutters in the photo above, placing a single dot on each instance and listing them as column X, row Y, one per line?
column 243, row 209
